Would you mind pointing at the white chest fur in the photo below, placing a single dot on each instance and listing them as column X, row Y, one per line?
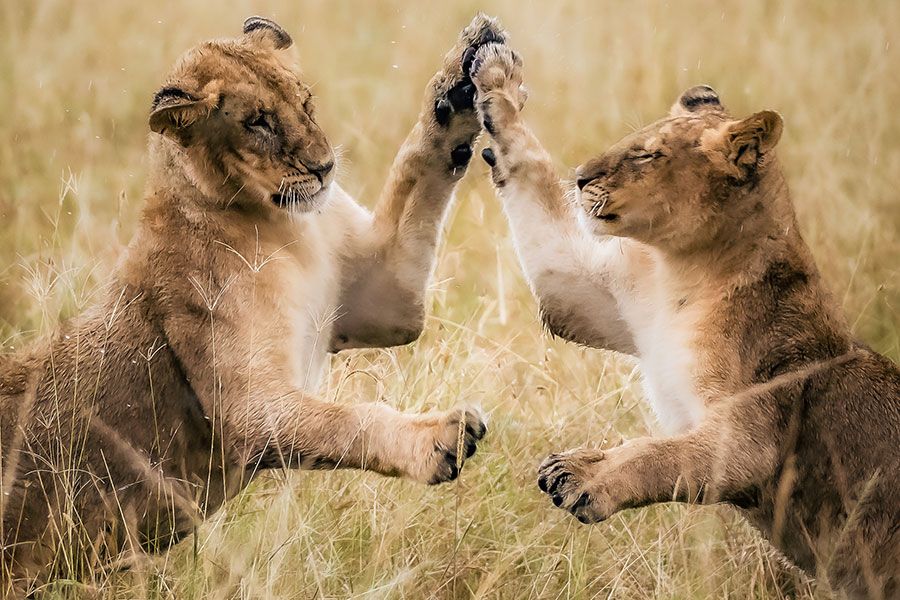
column 667, row 364
column 314, row 290
column 664, row 332
column 293, row 303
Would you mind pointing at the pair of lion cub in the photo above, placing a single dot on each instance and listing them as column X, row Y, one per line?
column 150, row 410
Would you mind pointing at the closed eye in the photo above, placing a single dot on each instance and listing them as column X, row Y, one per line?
column 644, row 158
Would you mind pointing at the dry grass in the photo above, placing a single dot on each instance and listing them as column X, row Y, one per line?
column 75, row 84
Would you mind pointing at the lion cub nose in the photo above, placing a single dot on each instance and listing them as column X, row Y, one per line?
column 583, row 177
column 322, row 171
column 589, row 171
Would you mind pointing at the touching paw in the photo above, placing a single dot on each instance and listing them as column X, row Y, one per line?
column 450, row 449
column 574, row 483
column 497, row 66
column 450, row 100
column 496, row 71
column 454, row 91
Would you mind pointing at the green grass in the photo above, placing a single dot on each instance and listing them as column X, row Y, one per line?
column 75, row 86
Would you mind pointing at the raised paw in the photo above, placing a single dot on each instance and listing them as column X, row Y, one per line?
column 453, row 88
column 574, row 482
column 496, row 71
column 450, row 450
column 451, row 125
column 452, row 91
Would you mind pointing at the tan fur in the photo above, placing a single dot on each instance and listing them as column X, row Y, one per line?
column 198, row 368
column 682, row 249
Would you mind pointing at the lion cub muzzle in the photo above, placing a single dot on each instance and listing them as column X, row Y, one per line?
column 594, row 199
column 305, row 191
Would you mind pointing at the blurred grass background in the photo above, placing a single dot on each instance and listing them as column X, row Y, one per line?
column 76, row 79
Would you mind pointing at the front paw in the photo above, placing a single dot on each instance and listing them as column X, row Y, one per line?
column 496, row 72
column 575, row 482
column 454, row 91
column 450, row 123
column 455, row 435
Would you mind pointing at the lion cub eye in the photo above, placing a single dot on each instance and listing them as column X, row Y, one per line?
column 259, row 122
column 644, row 158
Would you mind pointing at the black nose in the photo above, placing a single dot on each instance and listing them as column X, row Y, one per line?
column 322, row 171
column 590, row 171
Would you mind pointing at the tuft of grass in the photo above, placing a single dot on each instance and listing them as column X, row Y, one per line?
column 75, row 88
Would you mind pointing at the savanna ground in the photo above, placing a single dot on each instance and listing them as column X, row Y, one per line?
column 76, row 79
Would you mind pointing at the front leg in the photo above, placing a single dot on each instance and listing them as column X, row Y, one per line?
column 714, row 463
column 386, row 270
column 304, row 432
column 594, row 484
column 578, row 281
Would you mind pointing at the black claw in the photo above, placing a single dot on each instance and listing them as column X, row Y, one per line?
column 583, row 519
column 461, row 155
column 557, row 483
column 486, row 120
column 470, row 448
column 582, row 501
column 488, row 36
column 477, row 431
column 442, row 111
column 550, row 462
column 542, row 483
column 454, row 471
column 462, row 95
column 467, row 58
column 489, row 157
column 557, row 500
column 488, row 124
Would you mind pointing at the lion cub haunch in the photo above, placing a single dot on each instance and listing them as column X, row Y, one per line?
column 683, row 250
column 197, row 369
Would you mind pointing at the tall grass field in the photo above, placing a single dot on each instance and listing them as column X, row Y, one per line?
column 76, row 81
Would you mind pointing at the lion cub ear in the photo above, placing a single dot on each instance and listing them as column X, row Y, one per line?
column 747, row 143
column 262, row 29
column 174, row 110
column 700, row 98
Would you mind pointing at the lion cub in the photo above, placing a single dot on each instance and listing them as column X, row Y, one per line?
column 198, row 369
column 682, row 249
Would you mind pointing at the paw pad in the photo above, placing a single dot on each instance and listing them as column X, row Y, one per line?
column 442, row 111
column 461, row 155
column 462, row 95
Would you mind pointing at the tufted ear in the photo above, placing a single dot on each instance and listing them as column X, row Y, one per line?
column 698, row 99
column 262, row 29
column 747, row 144
column 174, row 110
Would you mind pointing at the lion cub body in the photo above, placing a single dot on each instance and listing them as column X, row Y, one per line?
column 197, row 369
column 682, row 249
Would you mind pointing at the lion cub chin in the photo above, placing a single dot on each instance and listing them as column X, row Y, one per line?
column 682, row 249
column 197, row 369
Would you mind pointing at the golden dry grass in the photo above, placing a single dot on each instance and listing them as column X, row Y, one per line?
column 75, row 84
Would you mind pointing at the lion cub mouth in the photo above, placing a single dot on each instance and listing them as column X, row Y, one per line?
column 596, row 203
column 300, row 197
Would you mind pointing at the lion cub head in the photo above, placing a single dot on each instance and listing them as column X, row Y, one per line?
column 684, row 181
column 238, row 117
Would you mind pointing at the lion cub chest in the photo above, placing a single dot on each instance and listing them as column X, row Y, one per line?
column 293, row 304
column 665, row 328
